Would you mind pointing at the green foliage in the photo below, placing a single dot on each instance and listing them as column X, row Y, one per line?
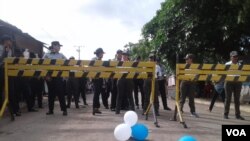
column 142, row 48
column 210, row 29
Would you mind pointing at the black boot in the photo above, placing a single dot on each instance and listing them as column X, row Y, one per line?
column 50, row 113
column 65, row 113
column 77, row 106
column 167, row 108
column 96, row 111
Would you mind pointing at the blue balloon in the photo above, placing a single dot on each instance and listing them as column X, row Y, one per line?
column 187, row 138
column 139, row 131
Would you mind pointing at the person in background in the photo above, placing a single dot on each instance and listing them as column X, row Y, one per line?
column 138, row 85
column 232, row 87
column 208, row 89
column 187, row 89
column 147, row 89
column 161, row 82
column 218, row 91
column 55, row 84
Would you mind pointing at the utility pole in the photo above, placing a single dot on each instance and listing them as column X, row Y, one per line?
column 78, row 49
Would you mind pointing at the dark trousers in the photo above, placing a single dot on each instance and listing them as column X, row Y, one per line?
column 232, row 88
column 113, row 93
column 13, row 96
column 37, row 88
column 55, row 86
column 147, row 90
column 125, row 87
column 99, row 89
column 162, row 91
column 23, row 90
column 138, row 85
column 187, row 89
column 108, row 90
column 215, row 95
column 82, row 89
column 73, row 89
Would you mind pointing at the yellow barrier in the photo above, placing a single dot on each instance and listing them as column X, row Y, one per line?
column 208, row 72
column 78, row 68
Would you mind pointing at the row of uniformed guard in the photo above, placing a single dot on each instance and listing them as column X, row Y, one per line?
column 121, row 89
column 187, row 89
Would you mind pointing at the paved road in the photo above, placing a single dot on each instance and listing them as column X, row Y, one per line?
column 80, row 125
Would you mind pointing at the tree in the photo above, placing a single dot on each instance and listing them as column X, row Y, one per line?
column 210, row 29
column 142, row 48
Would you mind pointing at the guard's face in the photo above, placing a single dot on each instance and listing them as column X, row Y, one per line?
column 189, row 60
column 100, row 55
column 56, row 48
column 234, row 59
column 151, row 59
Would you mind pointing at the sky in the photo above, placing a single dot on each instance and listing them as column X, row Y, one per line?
column 84, row 24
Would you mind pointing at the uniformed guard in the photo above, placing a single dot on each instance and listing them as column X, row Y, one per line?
column 99, row 87
column 23, row 90
column 125, row 88
column 82, row 89
column 187, row 89
column 138, row 85
column 6, row 45
column 162, row 87
column 37, row 88
column 55, row 84
column 233, row 87
column 147, row 89
column 2, row 51
column 118, row 57
column 72, row 89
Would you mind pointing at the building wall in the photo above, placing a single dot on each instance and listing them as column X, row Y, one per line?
column 21, row 40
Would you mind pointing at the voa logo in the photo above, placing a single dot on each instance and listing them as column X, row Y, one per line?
column 236, row 132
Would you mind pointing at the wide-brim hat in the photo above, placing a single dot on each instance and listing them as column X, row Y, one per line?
column 189, row 56
column 56, row 43
column 233, row 53
column 99, row 50
column 119, row 51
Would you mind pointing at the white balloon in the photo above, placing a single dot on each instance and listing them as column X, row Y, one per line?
column 122, row 132
column 130, row 118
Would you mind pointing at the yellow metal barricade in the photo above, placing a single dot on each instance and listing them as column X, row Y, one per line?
column 207, row 72
column 20, row 67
